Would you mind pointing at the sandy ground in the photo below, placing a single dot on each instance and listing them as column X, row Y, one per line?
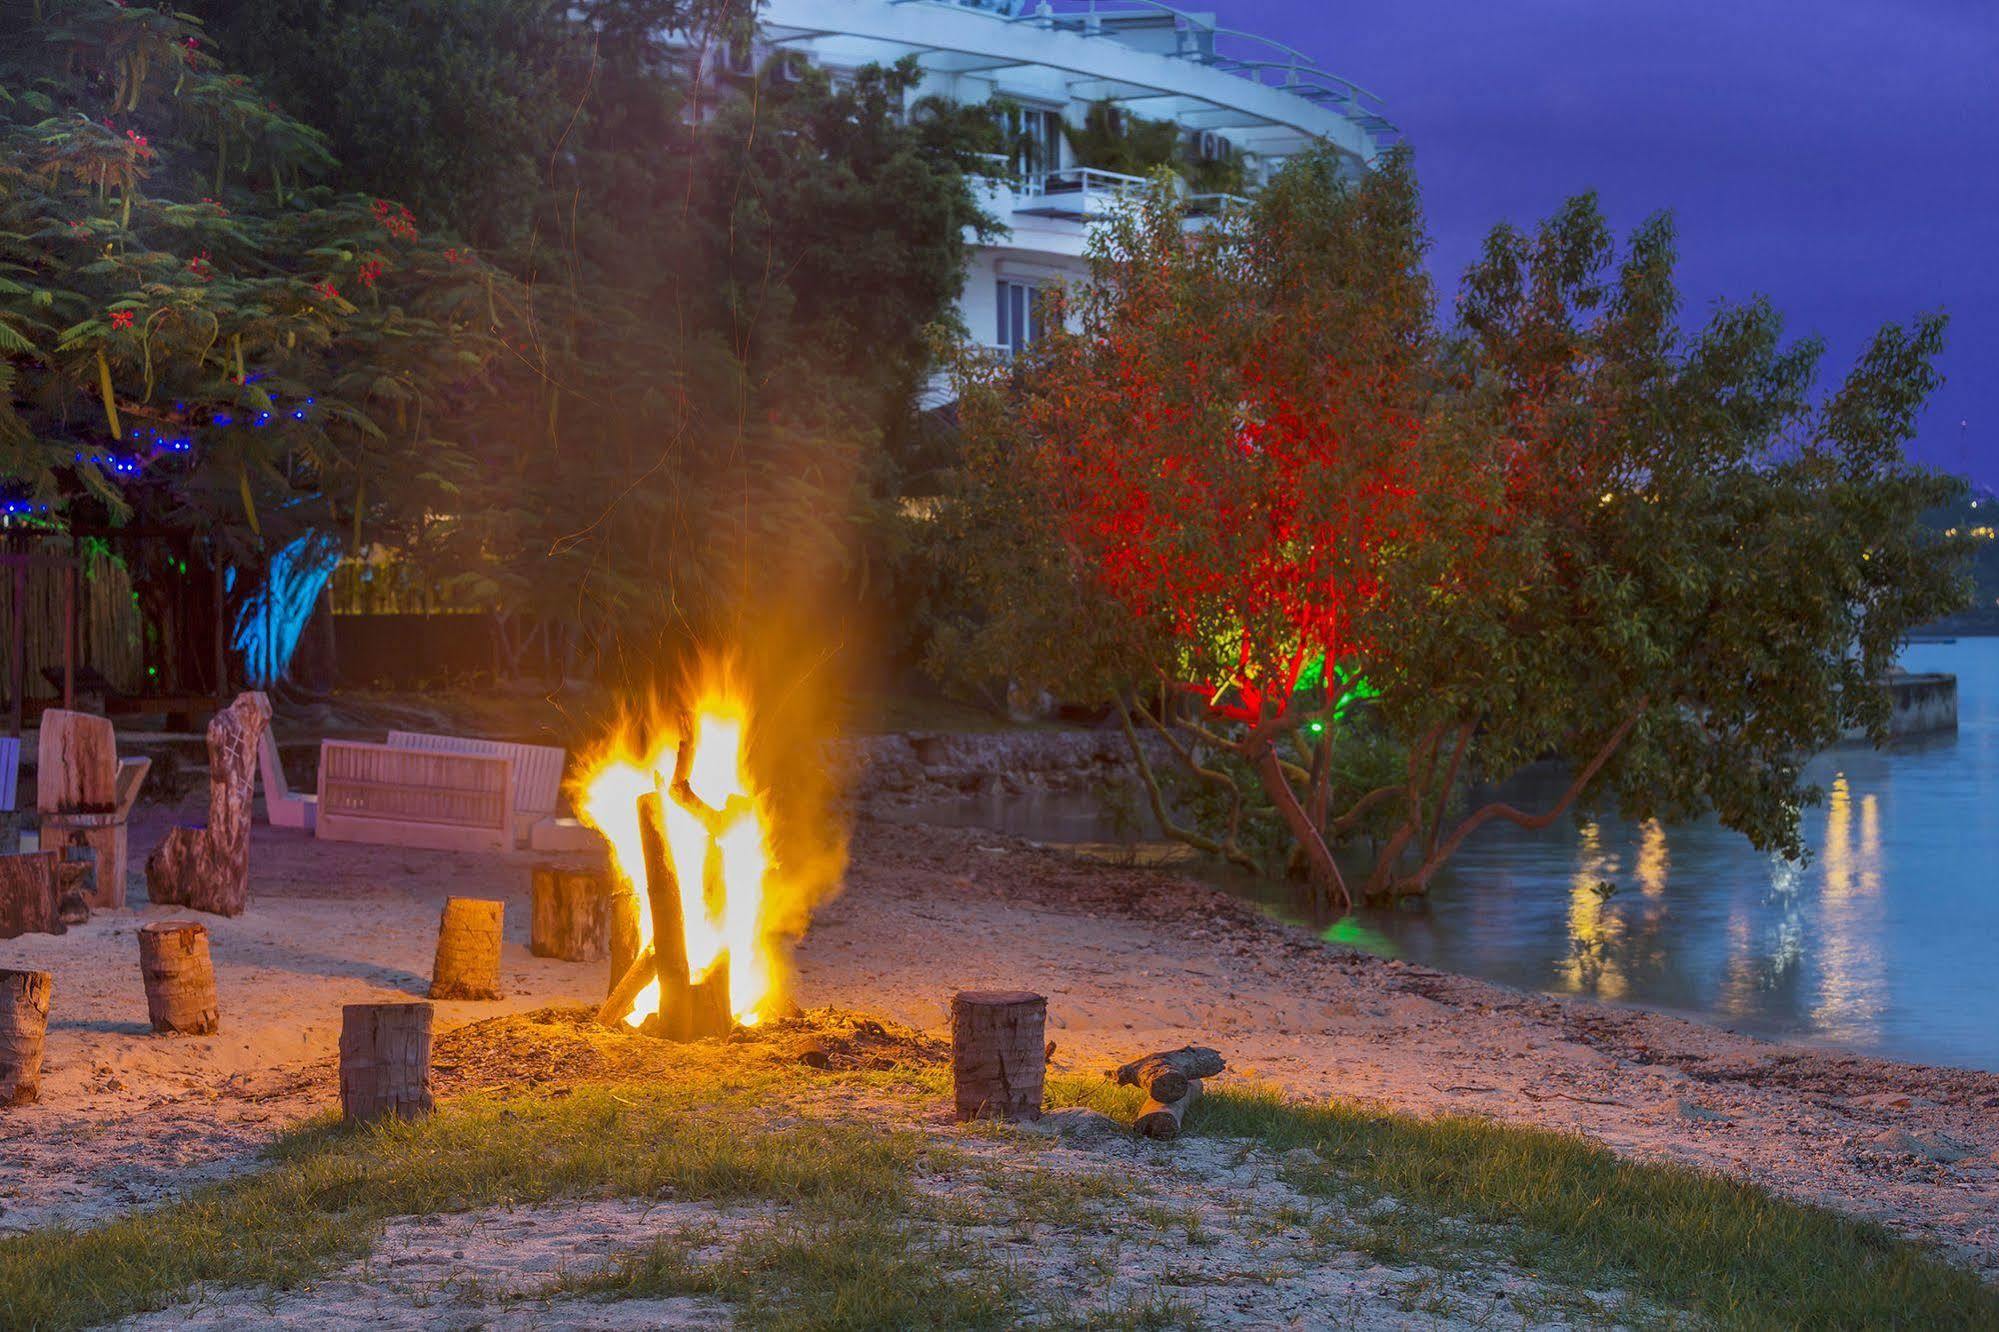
column 1130, row 960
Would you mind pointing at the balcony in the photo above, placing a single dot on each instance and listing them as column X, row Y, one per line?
column 1079, row 194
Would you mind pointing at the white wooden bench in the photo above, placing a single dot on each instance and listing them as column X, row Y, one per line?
column 283, row 807
column 537, row 771
column 392, row 796
column 10, row 769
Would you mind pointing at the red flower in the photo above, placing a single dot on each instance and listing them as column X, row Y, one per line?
column 369, row 272
column 199, row 266
column 121, row 319
column 326, row 291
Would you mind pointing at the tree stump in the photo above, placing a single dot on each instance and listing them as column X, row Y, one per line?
column 468, row 950
column 999, row 1056
column 30, row 894
column 180, row 979
column 80, row 790
column 24, row 1020
column 384, row 1061
column 208, row 868
column 569, row 915
column 623, row 909
column 709, row 1011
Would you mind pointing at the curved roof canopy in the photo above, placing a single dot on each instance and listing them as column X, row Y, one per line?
column 1160, row 61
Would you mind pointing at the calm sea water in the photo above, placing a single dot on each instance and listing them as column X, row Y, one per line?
column 1885, row 941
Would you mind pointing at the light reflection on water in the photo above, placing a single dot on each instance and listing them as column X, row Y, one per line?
column 1884, row 942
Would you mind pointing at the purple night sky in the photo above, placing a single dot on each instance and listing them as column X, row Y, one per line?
column 1840, row 156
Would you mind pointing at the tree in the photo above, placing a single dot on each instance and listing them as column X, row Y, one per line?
column 731, row 279
column 195, row 333
column 1200, row 485
column 1256, row 475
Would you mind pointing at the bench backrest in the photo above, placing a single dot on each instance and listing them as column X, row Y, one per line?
column 76, row 764
column 537, row 768
column 414, row 797
column 10, row 769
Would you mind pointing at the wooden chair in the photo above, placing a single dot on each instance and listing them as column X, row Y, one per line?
column 283, row 807
column 10, row 770
column 393, row 796
column 84, row 793
column 537, row 771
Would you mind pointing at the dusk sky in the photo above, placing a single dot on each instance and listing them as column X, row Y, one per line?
column 1840, row 156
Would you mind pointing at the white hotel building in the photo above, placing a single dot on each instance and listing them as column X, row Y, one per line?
column 1234, row 96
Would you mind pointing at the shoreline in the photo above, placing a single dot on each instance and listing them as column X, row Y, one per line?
column 1130, row 959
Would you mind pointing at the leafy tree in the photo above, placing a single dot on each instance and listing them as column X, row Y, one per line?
column 730, row 281
column 1258, row 475
column 195, row 332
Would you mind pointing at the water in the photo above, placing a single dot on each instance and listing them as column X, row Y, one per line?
column 1886, row 942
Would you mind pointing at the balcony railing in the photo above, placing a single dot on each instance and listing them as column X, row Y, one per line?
column 1079, row 192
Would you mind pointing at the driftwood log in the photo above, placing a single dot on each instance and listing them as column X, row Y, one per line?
column 1161, row 1119
column 999, row 1054
column 468, row 949
column 623, row 910
column 208, row 868
column 669, row 930
column 30, row 894
column 179, row 976
column 384, row 1061
column 1164, row 1076
column 569, row 915
column 625, row 991
column 24, row 1021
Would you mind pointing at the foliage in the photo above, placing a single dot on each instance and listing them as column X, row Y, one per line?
column 1114, row 139
column 194, row 331
column 730, row 279
column 1564, row 528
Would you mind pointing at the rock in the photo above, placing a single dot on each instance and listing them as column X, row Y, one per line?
column 1698, row 1114
column 1938, row 1147
column 1299, row 1158
column 1381, row 1209
column 1077, row 1124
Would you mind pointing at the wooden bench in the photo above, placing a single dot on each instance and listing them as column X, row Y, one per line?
column 392, row 796
column 537, row 770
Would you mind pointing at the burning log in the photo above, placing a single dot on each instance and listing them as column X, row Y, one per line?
column 1164, row 1076
column 627, row 988
column 708, row 1008
column 468, row 950
column 999, row 1058
column 180, row 979
column 569, row 915
column 623, row 909
column 1161, row 1119
column 24, row 1021
column 669, row 929
column 384, row 1061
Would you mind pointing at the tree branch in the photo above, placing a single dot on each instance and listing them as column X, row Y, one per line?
column 1228, row 850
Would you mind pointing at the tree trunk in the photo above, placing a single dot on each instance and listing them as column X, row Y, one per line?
column 569, row 915
column 1165, row 1076
column 208, row 868
column 24, row 1021
column 1318, row 856
column 180, row 979
column 1162, row 1119
column 999, row 1053
column 468, row 950
column 30, row 894
column 384, row 1061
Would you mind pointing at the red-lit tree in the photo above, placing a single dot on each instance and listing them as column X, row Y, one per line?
column 1219, row 446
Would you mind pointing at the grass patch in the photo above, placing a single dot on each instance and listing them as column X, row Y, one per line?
column 826, row 1274
column 331, row 1191
column 1559, row 1206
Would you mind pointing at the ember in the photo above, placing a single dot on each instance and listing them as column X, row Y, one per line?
column 691, row 834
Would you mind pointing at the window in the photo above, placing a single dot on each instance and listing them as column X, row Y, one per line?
column 1034, row 139
column 1019, row 316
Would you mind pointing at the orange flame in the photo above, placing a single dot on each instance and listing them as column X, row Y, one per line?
column 737, row 925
